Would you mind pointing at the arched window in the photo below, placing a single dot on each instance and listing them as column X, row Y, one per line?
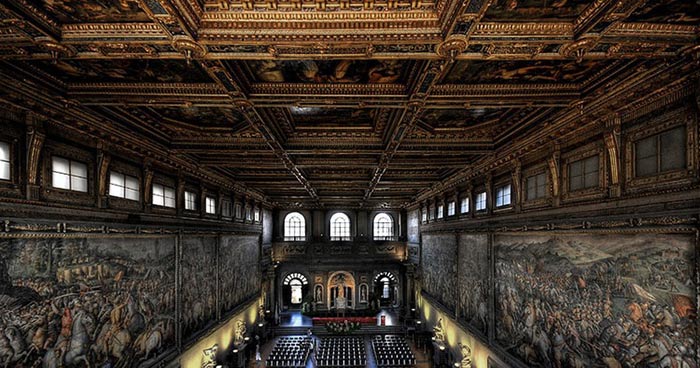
column 294, row 227
column 385, row 287
column 295, row 281
column 383, row 227
column 340, row 227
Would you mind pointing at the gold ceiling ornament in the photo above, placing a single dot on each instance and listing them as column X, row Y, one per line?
column 56, row 50
column 578, row 49
column 452, row 47
column 189, row 48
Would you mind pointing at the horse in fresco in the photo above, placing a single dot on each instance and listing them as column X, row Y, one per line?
column 77, row 348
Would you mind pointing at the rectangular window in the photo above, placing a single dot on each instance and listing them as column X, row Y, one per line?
column 226, row 208
column 583, row 173
column 123, row 186
column 660, row 153
column 190, row 201
column 210, row 205
column 239, row 214
column 503, row 196
column 69, row 174
column 451, row 208
column 5, row 161
column 163, row 196
column 536, row 186
column 464, row 206
column 425, row 216
column 481, row 201
column 431, row 213
column 257, row 215
column 440, row 211
column 248, row 214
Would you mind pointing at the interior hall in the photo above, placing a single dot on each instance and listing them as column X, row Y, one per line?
column 349, row 183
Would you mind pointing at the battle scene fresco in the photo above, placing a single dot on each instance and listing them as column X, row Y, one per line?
column 328, row 71
column 461, row 118
column 200, row 116
column 473, row 281
column 102, row 11
column 439, row 265
column 529, row 10
column 542, row 71
column 86, row 302
column 597, row 300
column 124, row 71
column 239, row 275
column 198, row 292
column 317, row 117
column 685, row 12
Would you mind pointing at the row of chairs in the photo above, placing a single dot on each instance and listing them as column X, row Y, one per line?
column 341, row 351
column 391, row 351
column 289, row 352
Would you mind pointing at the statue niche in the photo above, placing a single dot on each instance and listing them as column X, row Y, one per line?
column 341, row 287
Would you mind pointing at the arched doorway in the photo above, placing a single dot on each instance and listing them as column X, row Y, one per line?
column 341, row 290
column 294, row 288
column 386, row 288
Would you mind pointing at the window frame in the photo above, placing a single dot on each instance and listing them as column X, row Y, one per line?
column 70, row 174
column 165, row 188
column 545, row 194
column 346, row 230
column 502, row 196
column 190, row 200
column 124, row 186
column 210, row 201
column 481, row 197
column 463, row 201
column 451, row 208
column 289, row 235
column 440, row 211
column 8, row 162
column 658, row 154
column 387, row 231
column 226, row 208
column 581, row 153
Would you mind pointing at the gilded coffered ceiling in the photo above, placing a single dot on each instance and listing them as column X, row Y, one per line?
column 334, row 102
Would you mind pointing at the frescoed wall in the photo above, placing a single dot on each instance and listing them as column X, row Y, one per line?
column 70, row 301
column 597, row 300
column 571, row 299
column 112, row 300
column 439, row 265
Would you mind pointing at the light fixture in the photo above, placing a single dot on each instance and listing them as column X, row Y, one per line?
column 418, row 322
column 267, row 311
column 442, row 347
column 433, row 338
column 458, row 365
column 247, row 338
column 235, row 351
column 413, row 309
column 260, row 324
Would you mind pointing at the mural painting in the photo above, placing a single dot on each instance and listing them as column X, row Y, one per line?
column 239, row 275
column 439, row 264
column 198, row 116
column 597, row 300
column 473, row 281
column 318, row 117
column 328, row 71
column 684, row 12
column 75, row 11
column 461, row 118
column 535, row 9
column 198, row 292
column 542, row 71
column 70, row 302
column 125, row 71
